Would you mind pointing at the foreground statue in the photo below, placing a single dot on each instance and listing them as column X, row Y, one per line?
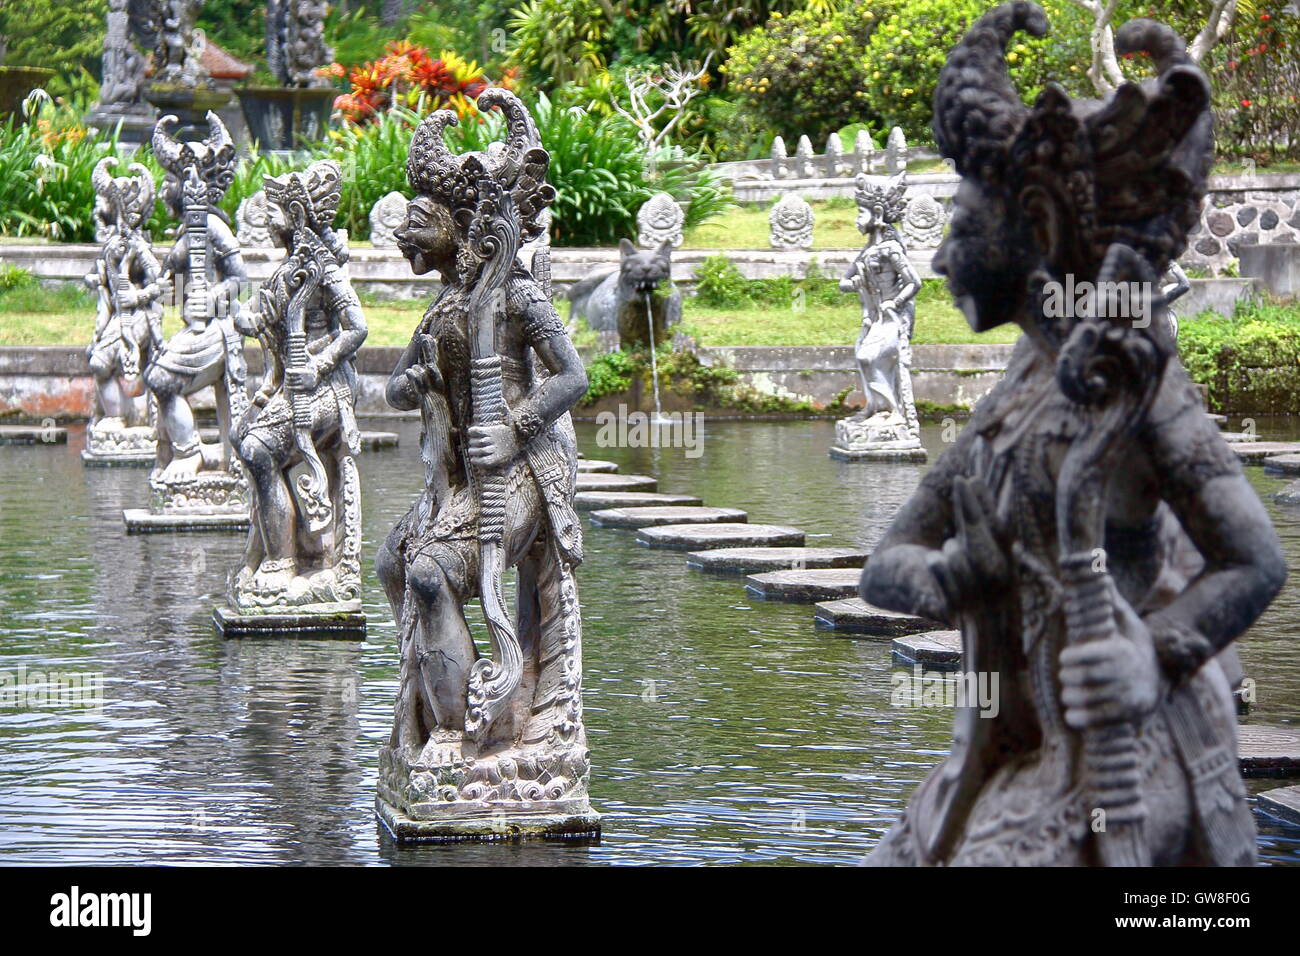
column 302, row 567
column 1089, row 532
column 886, row 283
column 486, row 746
column 128, row 287
column 194, row 482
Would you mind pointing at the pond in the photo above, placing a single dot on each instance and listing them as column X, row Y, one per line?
column 723, row 729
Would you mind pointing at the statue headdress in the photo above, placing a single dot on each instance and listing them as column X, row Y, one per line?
column 1132, row 168
column 131, row 197
column 517, row 166
column 213, row 157
column 886, row 197
column 316, row 190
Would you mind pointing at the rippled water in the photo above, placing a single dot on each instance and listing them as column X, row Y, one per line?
column 723, row 729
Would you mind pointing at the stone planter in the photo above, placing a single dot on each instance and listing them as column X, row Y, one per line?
column 283, row 118
column 189, row 104
column 16, row 82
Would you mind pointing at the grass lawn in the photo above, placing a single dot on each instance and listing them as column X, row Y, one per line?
column 746, row 227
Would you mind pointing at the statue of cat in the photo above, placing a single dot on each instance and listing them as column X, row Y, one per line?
column 615, row 302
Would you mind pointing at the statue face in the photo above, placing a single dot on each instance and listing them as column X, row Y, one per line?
column 866, row 219
column 985, row 258
column 172, row 196
column 428, row 237
column 278, row 225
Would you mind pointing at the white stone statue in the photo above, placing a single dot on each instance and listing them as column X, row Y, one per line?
column 834, row 158
column 923, row 222
column 251, row 222
column 386, row 217
column 660, row 220
column 886, row 282
column 791, row 222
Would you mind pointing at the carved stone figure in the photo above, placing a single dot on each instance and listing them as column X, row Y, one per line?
column 630, row 304
column 791, row 223
column 805, row 161
column 205, row 264
column 252, row 219
column 1089, row 531
column 660, row 220
column 123, row 64
column 295, row 42
column 923, row 222
column 896, row 152
column 834, row 156
column 303, row 555
column 1174, row 285
column 864, row 150
column 386, row 217
column 780, row 159
column 886, row 283
column 127, row 283
column 486, row 746
column 174, row 59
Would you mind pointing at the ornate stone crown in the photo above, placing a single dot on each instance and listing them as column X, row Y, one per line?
column 886, row 199
column 315, row 190
column 214, row 157
column 517, row 166
column 131, row 197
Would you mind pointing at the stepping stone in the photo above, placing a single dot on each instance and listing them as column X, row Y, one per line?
column 1234, row 438
column 376, row 441
column 754, row 560
column 694, row 537
column 1282, row 803
column 598, row 482
column 661, row 514
column 143, row 521
column 1219, row 420
column 33, row 435
column 1290, row 495
column 1255, row 452
column 856, row 616
column 1283, row 464
column 345, row 619
column 592, row 465
column 587, row 500
column 1268, row 751
column 940, row 650
column 806, row 586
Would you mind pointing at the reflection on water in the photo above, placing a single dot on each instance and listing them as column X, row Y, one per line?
column 723, row 729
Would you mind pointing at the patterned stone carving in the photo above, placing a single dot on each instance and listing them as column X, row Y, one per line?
column 295, row 42
column 660, row 220
column 386, row 217
column 176, row 52
column 1064, row 531
column 486, row 746
column 923, row 222
column 833, row 158
column 886, row 284
column 123, row 65
column 791, row 223
column 251, row 222
column 805, row 160
column 864, row 149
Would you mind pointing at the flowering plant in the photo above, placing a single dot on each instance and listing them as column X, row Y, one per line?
column 408, row 75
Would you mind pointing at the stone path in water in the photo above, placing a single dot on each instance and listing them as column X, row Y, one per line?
column 33, row 435
column 775, row 559
column 936, row 650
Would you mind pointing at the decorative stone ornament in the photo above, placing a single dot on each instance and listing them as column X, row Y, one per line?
column 386, row 217
column 1089, row 531
column 302, row 566
column 128, row 287
column 923, row 222
column 251, row 221
column 791, row 223
column 660, row 220
column 486, row 746
column 886, row 429
column 805, row 160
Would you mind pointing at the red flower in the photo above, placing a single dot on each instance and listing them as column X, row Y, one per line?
column 1245, row 102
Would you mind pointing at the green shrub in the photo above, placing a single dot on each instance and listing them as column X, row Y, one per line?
column 720, row 285
column 608, row 374
column 1250, row 362
column 14, row 277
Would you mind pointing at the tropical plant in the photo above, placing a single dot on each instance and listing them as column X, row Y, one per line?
column 1256, row 76
column 408, row 76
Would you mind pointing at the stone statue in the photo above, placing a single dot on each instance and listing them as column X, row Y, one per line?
column 886, row 283
column 791, row 223
column 304, row 553
column 295, row 42
column 923, row 222
column 252, row 219
column 632, row 304
column 660, row 220
column 127, row 283
column 805, row 160
column 174, row 62
column 123, row 65
column 780, row 159
column 205, row 264
column 864, row 150
column 896, row 152
column 834, row 157
column 1174, row 285
column 1089, row 531
column 486, row 746
column 386, row 217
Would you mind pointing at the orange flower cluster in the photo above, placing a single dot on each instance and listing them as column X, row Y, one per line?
column 408, row 75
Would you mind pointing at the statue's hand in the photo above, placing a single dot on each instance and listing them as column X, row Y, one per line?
column 1111, row 680
column 974, row 562
column 304, row 379
column 492, row 446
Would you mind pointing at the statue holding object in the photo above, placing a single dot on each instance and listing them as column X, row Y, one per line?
column 886, row 283
column 191, row 477
column 303, row 556
column 1090, row 532
column 486, row 746
column 128, row 286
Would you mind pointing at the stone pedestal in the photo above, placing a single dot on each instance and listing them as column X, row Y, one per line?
column 879, row 438
column 343, row 620
column 189, row 104
column 285, row 118
column 206, row 501
column 136, row 123
column 110, row 442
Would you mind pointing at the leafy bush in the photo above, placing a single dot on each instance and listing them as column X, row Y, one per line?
column 608, row 374
column 1256, row 76
column 720, row 285
column 805, row 73
column 1251, row 362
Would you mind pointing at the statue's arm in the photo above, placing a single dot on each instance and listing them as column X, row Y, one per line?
column 1179, row 283
column 1203, row 483
column 852, row 275
column 230, row 261
column 561, row 390
column 341, row 300
column 909, row 281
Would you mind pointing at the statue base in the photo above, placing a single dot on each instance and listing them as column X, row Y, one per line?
column 885, row 436
column 189, row 104
column 108, row 442
column 144, row 521
column 342, row 620
column 878, row 453
column 200, row 493
column 516, row 794
column 136, row 123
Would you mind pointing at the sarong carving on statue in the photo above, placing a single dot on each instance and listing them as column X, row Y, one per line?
column 304, row 551
column 494, row 375
column 1089, row 531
